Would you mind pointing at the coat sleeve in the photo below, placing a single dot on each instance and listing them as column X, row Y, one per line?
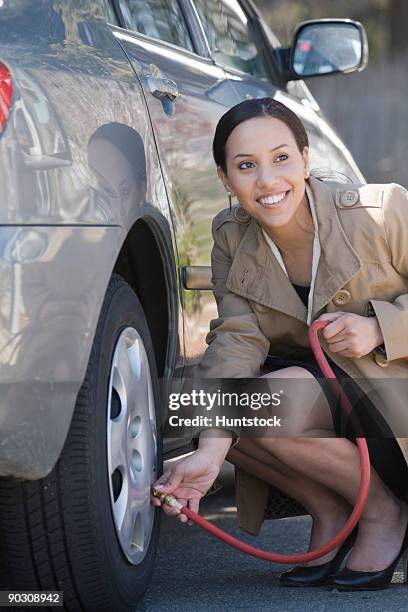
column 393, row 316
column 237, row 348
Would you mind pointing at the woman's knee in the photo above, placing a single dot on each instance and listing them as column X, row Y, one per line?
column 259, row 448
column 282, row 446
column 289, row 372
column 304, row 408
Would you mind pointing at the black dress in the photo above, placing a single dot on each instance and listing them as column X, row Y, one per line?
column 385, row 454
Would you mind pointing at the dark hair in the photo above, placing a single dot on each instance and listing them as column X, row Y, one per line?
column 249, row 109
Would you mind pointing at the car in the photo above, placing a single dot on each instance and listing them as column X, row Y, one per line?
column 107, row 113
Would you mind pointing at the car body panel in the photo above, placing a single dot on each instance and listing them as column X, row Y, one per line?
column 49, row 307
column 88, row 151
column 68, row 189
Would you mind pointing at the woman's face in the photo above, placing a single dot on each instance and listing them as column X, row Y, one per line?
column 265, row 170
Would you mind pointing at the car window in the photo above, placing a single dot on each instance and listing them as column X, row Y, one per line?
column 107, row 11
column 161, row 19
column 230, row 36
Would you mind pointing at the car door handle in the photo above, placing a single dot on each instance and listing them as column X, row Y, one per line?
column 160, row 87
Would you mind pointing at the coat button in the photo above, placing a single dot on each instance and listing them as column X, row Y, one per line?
column 379, row 360
column 241, row 215
column 341, row 298
column 349, row 197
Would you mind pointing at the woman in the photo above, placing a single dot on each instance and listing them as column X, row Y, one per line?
column 296, row 250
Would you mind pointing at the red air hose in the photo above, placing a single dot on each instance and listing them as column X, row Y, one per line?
column 361, row 498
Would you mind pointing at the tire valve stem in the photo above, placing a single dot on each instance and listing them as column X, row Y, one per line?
column 167, row 499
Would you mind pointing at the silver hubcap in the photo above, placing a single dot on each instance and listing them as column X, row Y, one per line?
column 132, row 444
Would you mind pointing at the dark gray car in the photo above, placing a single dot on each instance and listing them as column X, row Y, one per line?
column 107, row 113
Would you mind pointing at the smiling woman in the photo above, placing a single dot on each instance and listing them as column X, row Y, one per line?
column 279, row 169
column 294, row 251
column 270, row 181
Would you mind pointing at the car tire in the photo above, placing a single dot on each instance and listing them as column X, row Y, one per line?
column 83, row 530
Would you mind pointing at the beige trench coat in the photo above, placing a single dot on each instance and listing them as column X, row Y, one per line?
column 363, row 233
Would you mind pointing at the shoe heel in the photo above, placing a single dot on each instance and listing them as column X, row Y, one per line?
column 405, row 566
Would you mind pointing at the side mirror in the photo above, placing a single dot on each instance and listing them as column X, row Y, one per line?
column 325, row 46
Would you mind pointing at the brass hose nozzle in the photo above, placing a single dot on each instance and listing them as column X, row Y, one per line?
column 167, row 499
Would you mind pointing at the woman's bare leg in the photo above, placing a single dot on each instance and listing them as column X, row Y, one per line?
column 329, row 511
column 335, row 464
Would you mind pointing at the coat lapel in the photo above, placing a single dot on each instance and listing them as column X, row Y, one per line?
column 338, row 262
column 256, row 274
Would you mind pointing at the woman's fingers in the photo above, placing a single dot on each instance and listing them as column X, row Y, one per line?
column 170, row 480
column 340, row 337
column 186, row 480
column 194, row 504
column 167, row 482
column 330, row 317
column 336, row 347
column 171, row 511
column 182, row 517
column 334, row 328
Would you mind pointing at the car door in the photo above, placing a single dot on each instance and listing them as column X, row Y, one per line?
column 186, row 94
column 236, row 43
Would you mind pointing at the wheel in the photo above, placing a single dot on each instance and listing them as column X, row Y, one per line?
column 88, row 528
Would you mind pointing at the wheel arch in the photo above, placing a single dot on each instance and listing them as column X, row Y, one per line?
column 146, row 261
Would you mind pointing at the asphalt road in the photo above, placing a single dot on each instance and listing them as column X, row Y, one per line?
column 196, row 571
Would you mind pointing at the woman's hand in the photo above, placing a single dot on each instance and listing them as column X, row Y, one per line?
column 351, row 335
column 188, row 479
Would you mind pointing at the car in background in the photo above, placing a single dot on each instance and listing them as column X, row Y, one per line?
column 107, row 113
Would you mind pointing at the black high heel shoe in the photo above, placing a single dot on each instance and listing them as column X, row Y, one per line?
column 353, row 580
column 317, row 575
